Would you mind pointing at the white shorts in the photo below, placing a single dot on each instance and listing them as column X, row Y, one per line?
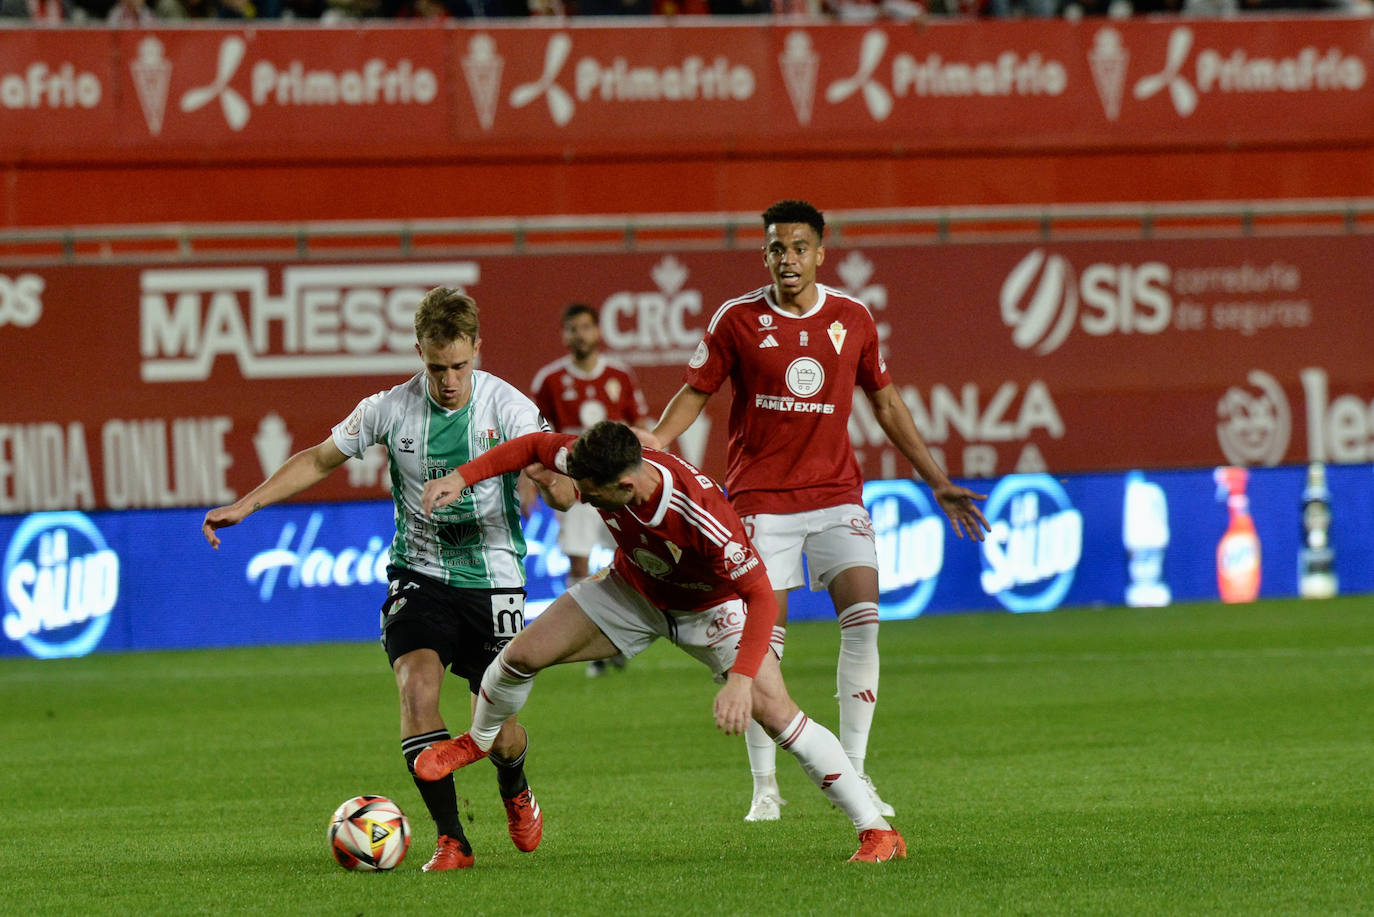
column 833, row 539
column 580, row 529
column 710, row 636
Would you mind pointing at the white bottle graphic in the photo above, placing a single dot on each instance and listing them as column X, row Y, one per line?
column 1145, row 534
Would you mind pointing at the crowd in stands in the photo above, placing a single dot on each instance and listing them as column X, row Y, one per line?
column 149, row 12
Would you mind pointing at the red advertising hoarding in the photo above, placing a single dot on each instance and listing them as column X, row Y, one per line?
column 519, row 91
column 170, row 385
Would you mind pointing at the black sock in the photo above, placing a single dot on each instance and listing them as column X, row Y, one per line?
column 510, row 775
column 440, row 796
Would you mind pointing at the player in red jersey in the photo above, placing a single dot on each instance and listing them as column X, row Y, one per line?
column 794, row 352
column 573, row 393
column 685, row 570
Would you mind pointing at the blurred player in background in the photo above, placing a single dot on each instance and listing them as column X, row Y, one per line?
column 794, row 351
column 457, row 592
column 686, row 571
column 574, row 393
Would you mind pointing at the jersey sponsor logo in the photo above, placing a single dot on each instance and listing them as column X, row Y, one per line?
column 804, row 377
column 736, row 571
column 789, row 405
column 61, row 581
column 341, row 320
column 407, row 444
column 769, row 341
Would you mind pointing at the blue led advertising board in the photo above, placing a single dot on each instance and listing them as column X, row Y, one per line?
column 75, row 582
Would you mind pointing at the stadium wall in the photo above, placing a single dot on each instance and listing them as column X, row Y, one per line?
column 102, row 126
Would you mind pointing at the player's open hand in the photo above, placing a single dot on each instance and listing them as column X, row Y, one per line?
column 221, row 517
column 441, row 492
column 734, row 704
column 964, row 514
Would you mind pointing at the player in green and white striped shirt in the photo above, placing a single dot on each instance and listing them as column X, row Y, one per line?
column 457, row 592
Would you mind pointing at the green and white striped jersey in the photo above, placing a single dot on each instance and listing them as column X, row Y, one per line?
column 476, row 542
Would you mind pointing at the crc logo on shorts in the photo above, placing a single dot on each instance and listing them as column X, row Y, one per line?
column 61, row 583
column 909, row 535
column 804, row 377
column 1031, row 554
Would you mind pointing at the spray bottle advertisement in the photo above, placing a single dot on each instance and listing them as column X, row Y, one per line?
column 75, row 583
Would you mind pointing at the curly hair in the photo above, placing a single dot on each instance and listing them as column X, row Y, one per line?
column 795, row 212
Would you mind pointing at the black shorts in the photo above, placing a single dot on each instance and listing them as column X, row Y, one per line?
column 466, row 627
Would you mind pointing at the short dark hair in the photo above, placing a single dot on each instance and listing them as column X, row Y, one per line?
column 580, row 308
column 605, row 452
column 795, row 212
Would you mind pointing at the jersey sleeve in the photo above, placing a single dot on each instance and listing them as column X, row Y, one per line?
column 550, row 449
column 713, row 360
column 365, row 427
column 519, row 415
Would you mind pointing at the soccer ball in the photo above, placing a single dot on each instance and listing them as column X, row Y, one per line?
column 369, row 833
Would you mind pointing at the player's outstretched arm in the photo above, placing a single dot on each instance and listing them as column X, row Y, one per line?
column 302, row 470
column 685, row 407
column 958, row 503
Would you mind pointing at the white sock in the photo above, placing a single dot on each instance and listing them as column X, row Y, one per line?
column 763, row 753
column 504, row 691
column 856, row 678
column 820, row 755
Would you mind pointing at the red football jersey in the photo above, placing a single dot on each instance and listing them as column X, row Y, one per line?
column 793, row 380
column 684, row 550
column 572, row 400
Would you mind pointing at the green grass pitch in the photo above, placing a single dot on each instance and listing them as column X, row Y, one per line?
column 1199, row 759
